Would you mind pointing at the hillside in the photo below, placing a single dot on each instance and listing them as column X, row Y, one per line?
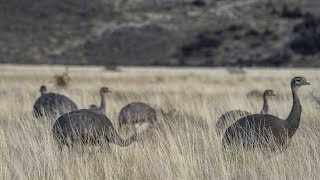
column 168, row 32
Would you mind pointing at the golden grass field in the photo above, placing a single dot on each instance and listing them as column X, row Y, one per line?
column 185, row 146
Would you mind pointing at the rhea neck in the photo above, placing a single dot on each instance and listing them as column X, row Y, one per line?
column 116, row 139
column 42, row 92
column 103, row 102
column 127, row 142
column 294, row 116
column 265, row 106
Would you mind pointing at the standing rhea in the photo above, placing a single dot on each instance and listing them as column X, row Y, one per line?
column 87, row 127
column 264, row 130
column 137, row 113
column 225, row 119
column 52, row 104
column 103, row 92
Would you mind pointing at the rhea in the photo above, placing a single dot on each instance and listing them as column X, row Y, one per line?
column 225, row 119
column 265, row 130
column 137, row 113
column 52, row 104
column 102, row 109
column 86, row 126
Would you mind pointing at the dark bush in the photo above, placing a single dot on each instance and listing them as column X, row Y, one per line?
column 198, row 3
column 307, row 41
column 286, row 12
column 275, row 60
column 204, row 42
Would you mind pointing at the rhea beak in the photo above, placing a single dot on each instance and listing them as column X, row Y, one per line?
column 273, row 94
column 306, row 83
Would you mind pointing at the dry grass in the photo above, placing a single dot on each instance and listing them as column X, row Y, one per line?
column 184, row 147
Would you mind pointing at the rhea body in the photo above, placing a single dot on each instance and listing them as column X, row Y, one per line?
column 225, row 119
column 86, row 126
column 264, row 130
column 52, row 104
column 137, row 113
column 96, row 109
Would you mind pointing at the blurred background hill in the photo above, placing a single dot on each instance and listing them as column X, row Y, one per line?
column 161, row 32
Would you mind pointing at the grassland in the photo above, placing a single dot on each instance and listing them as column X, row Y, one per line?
column 185, row 146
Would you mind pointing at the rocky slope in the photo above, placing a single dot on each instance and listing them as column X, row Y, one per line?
column 174, row 33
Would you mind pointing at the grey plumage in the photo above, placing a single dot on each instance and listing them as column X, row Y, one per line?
column 96, row 109
column 137, row 113
column 228, row 117
column 87, row 127
column 52, row 104
column 224, row 120
column 264, row 130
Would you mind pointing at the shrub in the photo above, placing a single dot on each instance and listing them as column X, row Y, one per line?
column 111, row 67
column 63, row 79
